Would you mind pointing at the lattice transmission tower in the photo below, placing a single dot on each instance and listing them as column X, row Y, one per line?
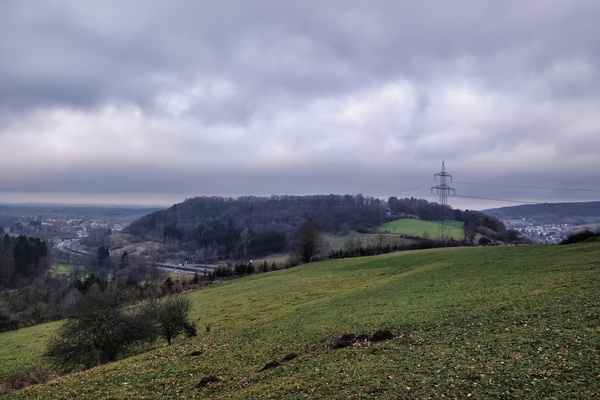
column 444, row 191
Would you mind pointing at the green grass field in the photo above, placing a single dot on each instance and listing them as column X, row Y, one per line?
column 495, row 322
column 430, row 229
column 64, row 269
column 339, row 242
column 20, row 350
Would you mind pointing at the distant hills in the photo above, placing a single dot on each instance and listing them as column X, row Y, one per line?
column 76, row 211
column 551, row 213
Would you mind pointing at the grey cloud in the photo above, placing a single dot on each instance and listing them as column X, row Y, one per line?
column 238, row 98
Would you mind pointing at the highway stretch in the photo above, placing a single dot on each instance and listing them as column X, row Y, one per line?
column 68, row 246
column 186, row 268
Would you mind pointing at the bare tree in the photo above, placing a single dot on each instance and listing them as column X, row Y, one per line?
column 170, row 316
column 470, row 229
column 309, row 242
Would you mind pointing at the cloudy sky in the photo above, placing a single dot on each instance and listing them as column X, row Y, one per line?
column 151, row 102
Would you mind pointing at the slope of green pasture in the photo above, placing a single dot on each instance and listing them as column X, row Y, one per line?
column 20, row 350
column 415, row 227
column 496, row 322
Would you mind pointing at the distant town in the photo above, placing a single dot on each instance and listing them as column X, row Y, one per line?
column 61, row 228
column 545, row 234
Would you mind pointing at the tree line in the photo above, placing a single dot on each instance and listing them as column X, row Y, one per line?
column 22, row 259
column 49, row 298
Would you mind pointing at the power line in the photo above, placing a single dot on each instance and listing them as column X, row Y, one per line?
column 581, row 204
column 528, row 187
column 492, row 199
column 416, row 187
column 427, row 193
column 522, row 163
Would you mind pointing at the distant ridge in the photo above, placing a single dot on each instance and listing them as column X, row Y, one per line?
column 551, row 213
column 68, row 210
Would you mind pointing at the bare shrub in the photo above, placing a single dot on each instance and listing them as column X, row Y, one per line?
column 170, row 317
column 99, row 330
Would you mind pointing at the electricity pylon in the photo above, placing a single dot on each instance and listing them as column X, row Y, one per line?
column 444, row 191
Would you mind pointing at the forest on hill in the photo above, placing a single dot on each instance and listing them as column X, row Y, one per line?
column 217, row 228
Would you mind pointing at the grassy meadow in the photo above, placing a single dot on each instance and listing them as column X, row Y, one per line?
column 66, row 269
column 428, row 229
column 342, row 242
column 496, row 322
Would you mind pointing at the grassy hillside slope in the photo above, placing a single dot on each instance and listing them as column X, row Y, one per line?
column 415, row 227
column 481, row 322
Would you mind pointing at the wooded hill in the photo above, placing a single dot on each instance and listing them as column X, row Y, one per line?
column 217, row 228
column 231, row 228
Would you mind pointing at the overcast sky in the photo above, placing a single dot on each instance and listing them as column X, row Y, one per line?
column 152, row 102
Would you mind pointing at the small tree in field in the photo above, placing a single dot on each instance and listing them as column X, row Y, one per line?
column 170, row 317
column 102, row 329
column 309, row 242
column 99, row 330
